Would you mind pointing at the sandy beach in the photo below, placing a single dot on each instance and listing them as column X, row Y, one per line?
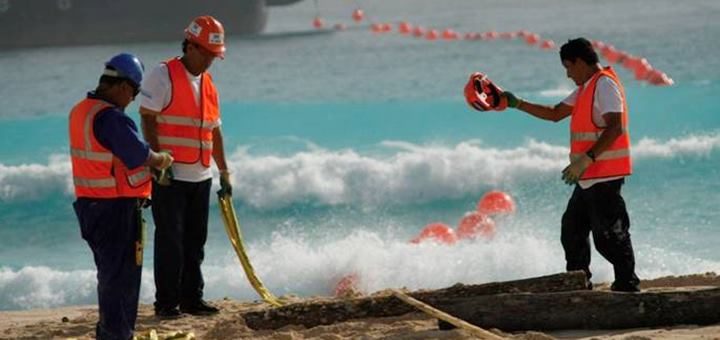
column 79, row 322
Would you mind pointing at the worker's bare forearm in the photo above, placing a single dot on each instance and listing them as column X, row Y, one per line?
column 552, row 113
column 149, row 129
column 219, row 149
column 608, row 136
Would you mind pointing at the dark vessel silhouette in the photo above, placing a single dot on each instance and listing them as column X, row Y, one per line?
column 30, row 23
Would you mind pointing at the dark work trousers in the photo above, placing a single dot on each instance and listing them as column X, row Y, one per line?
column 180, row 211
column 111, row 228
column 599, row 209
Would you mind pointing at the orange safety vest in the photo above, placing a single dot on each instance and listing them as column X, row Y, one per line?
column 615, row 161
column 97, row 173
column 184, row 127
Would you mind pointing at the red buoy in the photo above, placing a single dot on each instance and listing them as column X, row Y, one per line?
column 475, row 224
column 547, row 44
column 532, row 39
column 404, row 27
column 318, row 23
column 347, row 286
column 358, row 15
column 642, row 69
column 438, row 232
column 431, row 35
column 496, row 202
column 449, row 34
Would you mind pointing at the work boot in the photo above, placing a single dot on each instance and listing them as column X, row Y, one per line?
column 199, row 307
column 167, row 312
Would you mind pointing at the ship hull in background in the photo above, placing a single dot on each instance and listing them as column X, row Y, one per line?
column 33, row 23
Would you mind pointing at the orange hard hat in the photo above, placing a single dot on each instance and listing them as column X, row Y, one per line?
column 207, row 32
column 483, row 95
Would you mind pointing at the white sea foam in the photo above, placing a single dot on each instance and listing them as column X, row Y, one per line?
column 293, row 264
column 402, row 173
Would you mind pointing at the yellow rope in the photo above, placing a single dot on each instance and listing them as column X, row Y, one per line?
column 232, row 227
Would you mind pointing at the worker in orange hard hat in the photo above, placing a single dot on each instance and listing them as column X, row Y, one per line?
column 208, row 33
column 180, row 114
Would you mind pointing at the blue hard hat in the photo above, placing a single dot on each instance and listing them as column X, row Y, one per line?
column 126, row 66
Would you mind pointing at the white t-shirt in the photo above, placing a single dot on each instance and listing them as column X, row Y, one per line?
column 156, row 94
column 607, row 99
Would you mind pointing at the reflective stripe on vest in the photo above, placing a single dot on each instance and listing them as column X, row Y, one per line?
column 616, row 160
column 139, row 177
column 184, row 121
column 187, row 142
column 95, row 183
column 588, row 136
column 185, row 127
column 96, row 172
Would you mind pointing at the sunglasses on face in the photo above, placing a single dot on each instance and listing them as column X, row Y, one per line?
column 135, row 89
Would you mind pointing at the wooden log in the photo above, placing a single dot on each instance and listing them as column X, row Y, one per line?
column 588, row 309
column 475, row 331
column 334, row 310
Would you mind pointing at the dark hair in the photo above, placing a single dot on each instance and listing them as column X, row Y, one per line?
column 579, row 48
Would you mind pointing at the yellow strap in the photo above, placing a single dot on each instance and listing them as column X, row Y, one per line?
column 232, row 227
column 436, row 313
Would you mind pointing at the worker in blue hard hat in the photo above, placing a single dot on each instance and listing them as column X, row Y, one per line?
column 110, row 167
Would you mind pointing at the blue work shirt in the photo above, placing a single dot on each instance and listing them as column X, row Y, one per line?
column 118, row 133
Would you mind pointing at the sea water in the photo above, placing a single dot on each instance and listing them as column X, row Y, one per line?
column 344, row 145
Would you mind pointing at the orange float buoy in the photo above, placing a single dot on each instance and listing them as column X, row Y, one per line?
column 611, row 54
column 318, row 23
column 418, row 31
column 473, row 36
column 404, row 27
column 376, row 28
column 475, row 224
column 642, row 69
column 438, row 232
column 630, row 61
column 547, row 44
column 523, row 33
column 532, row 39
column 449, row 34
column 431, row 34
column 597, row 44
column 659, row 78
column 507, row 35
column 386, row 27
column 347, row 286
column 496, row 202
column 358, row 15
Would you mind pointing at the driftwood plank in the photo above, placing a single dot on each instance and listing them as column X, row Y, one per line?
column 334, row 311
column 588, row 309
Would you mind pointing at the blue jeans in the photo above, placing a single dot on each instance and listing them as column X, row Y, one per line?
column 111, row 228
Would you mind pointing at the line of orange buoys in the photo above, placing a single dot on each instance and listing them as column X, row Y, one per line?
column 639, row 66
column 476, row 224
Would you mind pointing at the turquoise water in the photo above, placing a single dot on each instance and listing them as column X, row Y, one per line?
column 344, row 145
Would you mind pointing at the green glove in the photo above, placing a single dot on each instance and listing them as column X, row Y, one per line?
column 512, row 100
column 225, row 185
